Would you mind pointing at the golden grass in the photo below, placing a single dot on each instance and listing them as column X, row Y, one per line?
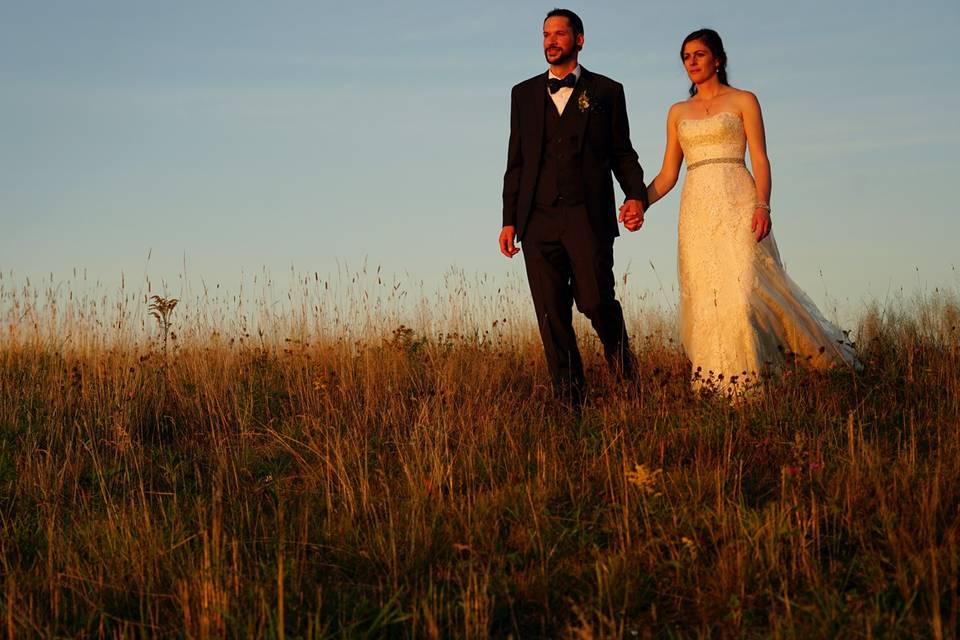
column 345, row 462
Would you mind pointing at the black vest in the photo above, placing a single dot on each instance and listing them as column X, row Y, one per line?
column 560, row 179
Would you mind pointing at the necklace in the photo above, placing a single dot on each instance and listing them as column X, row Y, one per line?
column 706, row 104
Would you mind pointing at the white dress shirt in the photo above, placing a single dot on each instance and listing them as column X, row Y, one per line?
column 561, row 97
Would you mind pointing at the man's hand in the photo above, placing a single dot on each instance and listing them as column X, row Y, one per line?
column 631, row 214
column 761, row 223
column 507, row 247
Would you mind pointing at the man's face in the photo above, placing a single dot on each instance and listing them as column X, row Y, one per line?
column 559, row 43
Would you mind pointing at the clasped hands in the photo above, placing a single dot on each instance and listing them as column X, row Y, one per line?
column 631, row 214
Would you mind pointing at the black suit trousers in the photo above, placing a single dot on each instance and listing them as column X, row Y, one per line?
column 567, row 261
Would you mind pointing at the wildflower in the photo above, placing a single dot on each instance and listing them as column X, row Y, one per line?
column 325, row 381
column 643, row 478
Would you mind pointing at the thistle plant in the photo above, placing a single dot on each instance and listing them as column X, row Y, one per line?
column 161, row 309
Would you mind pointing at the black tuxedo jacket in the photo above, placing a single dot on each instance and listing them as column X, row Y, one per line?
column 604, row 148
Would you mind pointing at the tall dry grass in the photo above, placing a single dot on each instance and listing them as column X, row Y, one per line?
column 359, row 457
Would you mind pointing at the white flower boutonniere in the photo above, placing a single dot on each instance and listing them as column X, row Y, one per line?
column 583, row 102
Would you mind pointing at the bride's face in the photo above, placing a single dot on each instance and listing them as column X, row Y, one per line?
column 699, row 62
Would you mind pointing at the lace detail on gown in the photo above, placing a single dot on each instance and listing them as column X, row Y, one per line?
column 740, row 313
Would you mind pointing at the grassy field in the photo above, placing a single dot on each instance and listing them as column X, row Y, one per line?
column 331, row 472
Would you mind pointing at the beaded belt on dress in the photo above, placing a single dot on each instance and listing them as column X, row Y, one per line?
column 690, row 167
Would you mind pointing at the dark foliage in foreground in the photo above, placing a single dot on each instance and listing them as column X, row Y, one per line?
column 413, row 486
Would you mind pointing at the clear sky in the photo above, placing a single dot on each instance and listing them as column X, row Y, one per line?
column 241, row 135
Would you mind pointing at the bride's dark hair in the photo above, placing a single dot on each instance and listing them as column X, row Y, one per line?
column 712, row 39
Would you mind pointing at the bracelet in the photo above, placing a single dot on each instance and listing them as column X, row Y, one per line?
column 762, row 205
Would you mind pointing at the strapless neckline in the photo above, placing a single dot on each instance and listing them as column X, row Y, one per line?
column 719, row 113
column 721, row 135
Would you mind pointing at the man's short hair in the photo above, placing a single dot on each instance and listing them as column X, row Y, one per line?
column 575, row 22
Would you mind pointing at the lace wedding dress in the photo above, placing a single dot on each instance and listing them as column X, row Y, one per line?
column 740, row 313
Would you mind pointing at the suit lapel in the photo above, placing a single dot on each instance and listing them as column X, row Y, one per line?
column 584, row 88
column 538, row 104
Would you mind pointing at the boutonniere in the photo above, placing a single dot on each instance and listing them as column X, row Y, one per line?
column 583, row 102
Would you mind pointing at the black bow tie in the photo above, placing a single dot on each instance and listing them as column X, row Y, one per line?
column 554, row 85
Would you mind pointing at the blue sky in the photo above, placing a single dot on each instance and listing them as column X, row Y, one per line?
column 247, row 135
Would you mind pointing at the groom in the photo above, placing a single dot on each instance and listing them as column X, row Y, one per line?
column 568, row 131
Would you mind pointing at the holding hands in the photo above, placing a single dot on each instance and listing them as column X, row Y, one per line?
column 631, row 214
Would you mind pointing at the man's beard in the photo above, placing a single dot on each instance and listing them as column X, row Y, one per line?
column 565, row 56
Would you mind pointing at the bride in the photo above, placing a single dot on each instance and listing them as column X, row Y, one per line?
column 741, row 315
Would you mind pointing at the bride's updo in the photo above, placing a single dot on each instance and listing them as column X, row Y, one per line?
column 712, row 39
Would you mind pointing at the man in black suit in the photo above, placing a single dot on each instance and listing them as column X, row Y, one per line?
column 568, row 132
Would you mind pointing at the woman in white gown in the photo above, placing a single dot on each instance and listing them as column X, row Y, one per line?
column 740, row 314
